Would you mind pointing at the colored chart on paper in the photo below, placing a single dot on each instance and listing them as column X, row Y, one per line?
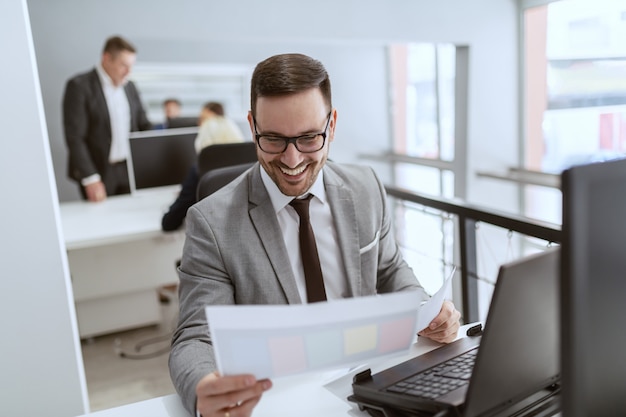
column 274, row 341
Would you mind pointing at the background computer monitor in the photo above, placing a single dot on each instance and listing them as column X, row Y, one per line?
column 593, row 290
column 161, row 157
column 176, row 122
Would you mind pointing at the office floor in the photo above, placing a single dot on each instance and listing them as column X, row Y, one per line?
column 113, row 380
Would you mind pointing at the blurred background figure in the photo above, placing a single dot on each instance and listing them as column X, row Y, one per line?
column 100, row 109
column 215, row 127
column 171, row 110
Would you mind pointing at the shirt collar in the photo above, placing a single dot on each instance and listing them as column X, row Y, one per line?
column 105, row 79
column 280, row 200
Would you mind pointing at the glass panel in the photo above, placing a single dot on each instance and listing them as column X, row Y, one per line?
column 423, row 78
column 543, row 203
column 583, row 135
column 494, row 247
column 426, row 239
column 446, row 54
column 421, row 97
column 447, row 182
column 418, row 178
column 586, row 83
column 576, row 51
column 575, row 90
column 423, row 82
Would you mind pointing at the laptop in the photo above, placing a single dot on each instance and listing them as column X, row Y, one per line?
column 513, row 365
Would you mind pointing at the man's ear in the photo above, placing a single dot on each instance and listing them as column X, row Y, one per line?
column 333, row 124
column 251, row 124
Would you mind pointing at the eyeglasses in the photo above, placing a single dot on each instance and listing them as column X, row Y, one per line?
column 309, row 143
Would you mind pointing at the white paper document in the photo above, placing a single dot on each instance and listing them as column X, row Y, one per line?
column 271, row 341
column 429, row 310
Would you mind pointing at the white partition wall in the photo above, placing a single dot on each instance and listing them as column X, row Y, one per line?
column 41, row 370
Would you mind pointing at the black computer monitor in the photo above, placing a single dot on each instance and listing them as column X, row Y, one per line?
column 161, row 157
column 182, row 121
column 593, row 290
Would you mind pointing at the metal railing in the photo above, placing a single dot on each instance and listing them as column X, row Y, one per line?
column 468, row 216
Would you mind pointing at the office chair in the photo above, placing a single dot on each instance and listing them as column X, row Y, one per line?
column 215, row 179
column 225, row 154
column 161, row 344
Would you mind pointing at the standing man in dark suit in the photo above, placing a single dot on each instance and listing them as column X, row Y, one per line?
column 100, row 108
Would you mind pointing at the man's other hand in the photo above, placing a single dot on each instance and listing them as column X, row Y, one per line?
column 445, row 326
column 96, row 191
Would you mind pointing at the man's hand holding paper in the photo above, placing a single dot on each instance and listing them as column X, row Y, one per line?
column 438, row 319
column 445, row 325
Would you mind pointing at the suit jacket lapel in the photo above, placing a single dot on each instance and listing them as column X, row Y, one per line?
column 264, row 220
column 102, row 102
column 129, row 90
column 341, row 201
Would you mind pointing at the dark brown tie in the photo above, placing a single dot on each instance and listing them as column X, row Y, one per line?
column 308, row 249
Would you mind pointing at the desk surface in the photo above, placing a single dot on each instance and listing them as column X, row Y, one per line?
column 307, row 395
column 117, row 219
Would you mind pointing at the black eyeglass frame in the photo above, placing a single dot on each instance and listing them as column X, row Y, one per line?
column 294, row 140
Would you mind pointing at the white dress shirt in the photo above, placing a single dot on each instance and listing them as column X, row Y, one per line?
column 333, row 271
column 119, row 114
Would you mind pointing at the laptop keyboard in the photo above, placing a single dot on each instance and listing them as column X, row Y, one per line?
column 439, row 380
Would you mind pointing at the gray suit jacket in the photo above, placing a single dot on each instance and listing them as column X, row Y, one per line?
column 234, row 253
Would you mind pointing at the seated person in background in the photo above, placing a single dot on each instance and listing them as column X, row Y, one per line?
column 171, row 110
column 242, row 244
column 215, row 128
column 175, row 216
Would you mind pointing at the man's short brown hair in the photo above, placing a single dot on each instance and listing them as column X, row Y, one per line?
column 286, row 74
column 117, row 44
column 215, row 107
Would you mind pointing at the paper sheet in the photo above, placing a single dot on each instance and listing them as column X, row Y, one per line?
column 429, row 310
column 271, row 341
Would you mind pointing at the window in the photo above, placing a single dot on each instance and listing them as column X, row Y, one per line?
column 575, row 91
column 428, row 85
column 423, row 83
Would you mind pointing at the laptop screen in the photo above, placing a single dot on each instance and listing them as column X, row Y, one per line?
column 519, row 352
column 516, row 358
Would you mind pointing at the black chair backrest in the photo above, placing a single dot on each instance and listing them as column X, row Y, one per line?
column 225, row 154
column 215, row 179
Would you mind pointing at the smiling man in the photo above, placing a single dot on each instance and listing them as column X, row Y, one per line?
column 245, row 243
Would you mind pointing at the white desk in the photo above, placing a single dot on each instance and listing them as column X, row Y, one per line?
column 308, row 395
column 118, row 256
